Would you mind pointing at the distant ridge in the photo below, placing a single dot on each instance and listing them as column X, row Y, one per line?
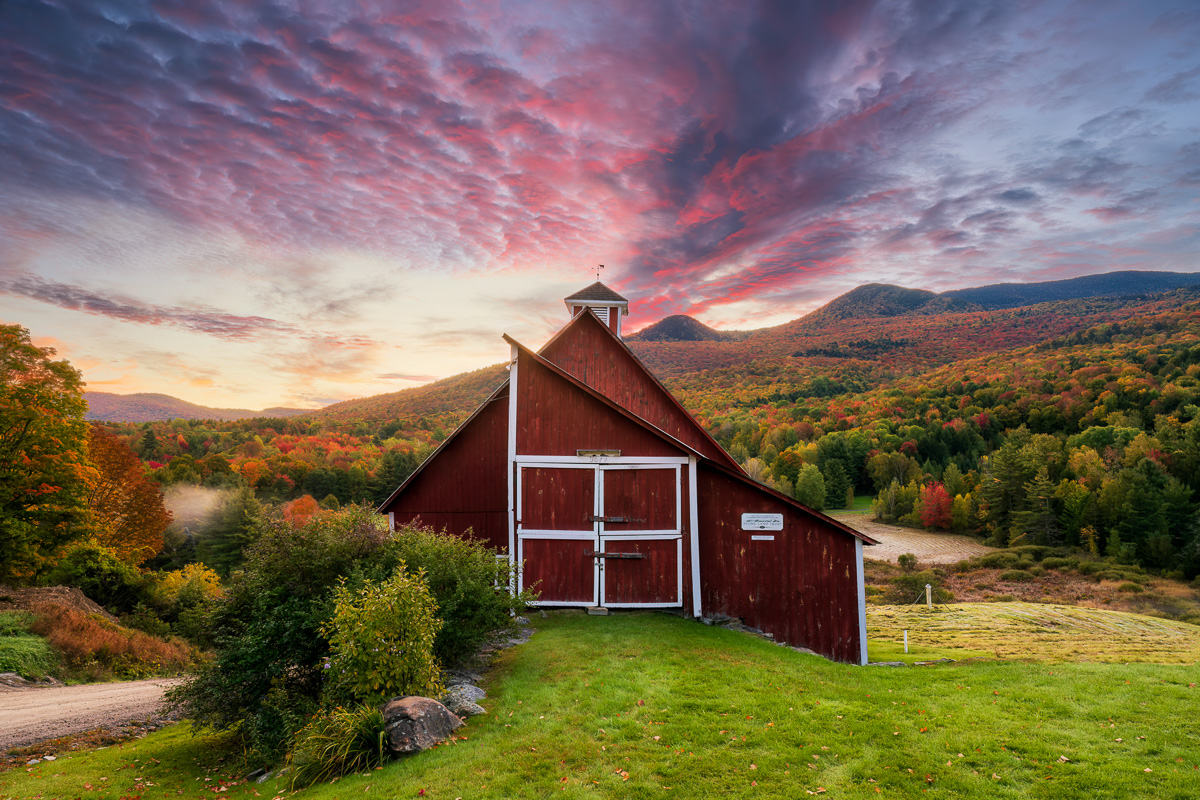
column 1110, row 284
column 682, row 328
column 108, row 407
column 886, row 300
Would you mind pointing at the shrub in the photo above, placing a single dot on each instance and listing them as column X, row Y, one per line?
column 1130, row 586
column 999, row 560
column 1054, row 563
column 338, row 742
column 468, row 583
column 1016, row 575
column 98, row 572
column 381, row 638
column 186, row 598
column 93, row 646
column 1037, row 572
column 268, row 674
column 907, row 562
column 1089, row 567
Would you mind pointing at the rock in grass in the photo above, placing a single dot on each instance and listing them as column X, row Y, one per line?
column 414, row 724
column 461, row 699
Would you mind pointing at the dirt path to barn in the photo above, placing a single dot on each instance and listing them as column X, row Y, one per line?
column 929, row 548
column 35, row 714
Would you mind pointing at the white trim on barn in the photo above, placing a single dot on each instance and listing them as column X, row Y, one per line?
column 694, row 535
column 862, row 604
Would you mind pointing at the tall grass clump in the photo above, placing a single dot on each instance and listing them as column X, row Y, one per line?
column 95, row 648
column 338, row 742
column 22, row 652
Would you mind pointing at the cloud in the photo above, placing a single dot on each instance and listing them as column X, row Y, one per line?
column 396, row 376
column 204, row 321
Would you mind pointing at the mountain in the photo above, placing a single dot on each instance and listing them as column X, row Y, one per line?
column 886, row 300
column 108, row 407
column 682, row 328
column 1110, row 284
column 456, row 396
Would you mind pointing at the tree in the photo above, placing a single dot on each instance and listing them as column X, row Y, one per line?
column 230, row 530
column 936, row 506
column 42, row 455
column 810, row 487
column 837, row 483
column 127, row 511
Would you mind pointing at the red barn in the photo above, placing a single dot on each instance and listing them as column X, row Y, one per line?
column 586, row 470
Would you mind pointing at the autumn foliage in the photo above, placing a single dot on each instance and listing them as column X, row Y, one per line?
column 126, row 507
column 935, row 506
column 89, row 642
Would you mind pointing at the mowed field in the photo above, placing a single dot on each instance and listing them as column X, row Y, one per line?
column 642, row 705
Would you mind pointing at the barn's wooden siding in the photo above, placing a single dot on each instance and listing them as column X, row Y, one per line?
column 555, row 418
column 802, row 587
column 589, row 353
column 465, row 486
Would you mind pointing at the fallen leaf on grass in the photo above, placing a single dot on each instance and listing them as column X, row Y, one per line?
column 1063, row 759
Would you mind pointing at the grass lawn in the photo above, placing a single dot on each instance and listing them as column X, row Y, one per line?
column 648, row 705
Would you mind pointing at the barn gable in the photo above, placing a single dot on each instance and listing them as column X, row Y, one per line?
column 589, row 350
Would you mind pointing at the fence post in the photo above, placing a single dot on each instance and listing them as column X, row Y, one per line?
column 929, row 596
column 906, row 641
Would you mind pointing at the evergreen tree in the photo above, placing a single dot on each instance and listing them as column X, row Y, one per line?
column 837, row 483
column 1039, row 519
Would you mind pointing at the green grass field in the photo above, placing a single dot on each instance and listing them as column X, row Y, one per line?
column 649, row 705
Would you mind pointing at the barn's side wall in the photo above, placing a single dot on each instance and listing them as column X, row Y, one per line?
column 465, row 486
column 802, row 587
column 556, row 418
column 590, row 354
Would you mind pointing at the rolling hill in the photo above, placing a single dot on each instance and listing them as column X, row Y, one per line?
column 108, row 407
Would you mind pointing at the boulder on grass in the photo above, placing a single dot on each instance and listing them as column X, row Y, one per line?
column 414, row 724
column 461, row 698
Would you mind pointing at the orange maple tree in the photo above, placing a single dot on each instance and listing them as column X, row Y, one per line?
column 127, row 509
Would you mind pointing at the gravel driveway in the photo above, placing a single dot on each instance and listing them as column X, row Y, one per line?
column 929, row 548
column 34, row 714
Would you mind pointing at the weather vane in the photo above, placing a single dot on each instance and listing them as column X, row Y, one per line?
column 598, row 268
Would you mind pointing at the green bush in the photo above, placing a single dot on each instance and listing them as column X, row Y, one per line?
column 1089, row 567
column 1016, row 575
column 381, row 639
column 907, row 562
column 336, row 743
column 1054, row 563
column 1037, row 571
column 999, row 560
column 469, row 584
column 269, row 671
column 99, row 573
column 1130, row 586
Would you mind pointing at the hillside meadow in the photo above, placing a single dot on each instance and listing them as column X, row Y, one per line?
column 650, row 705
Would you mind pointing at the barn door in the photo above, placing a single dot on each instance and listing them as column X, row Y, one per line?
column 601, row 534
column 557, row 533
column 641, row 538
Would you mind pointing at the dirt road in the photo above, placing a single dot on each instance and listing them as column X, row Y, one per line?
column 34, row 714
column 929, row 548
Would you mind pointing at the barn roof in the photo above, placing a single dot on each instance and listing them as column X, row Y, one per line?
column 596, row 292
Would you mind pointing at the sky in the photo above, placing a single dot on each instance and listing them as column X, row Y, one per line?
column 251, row 204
